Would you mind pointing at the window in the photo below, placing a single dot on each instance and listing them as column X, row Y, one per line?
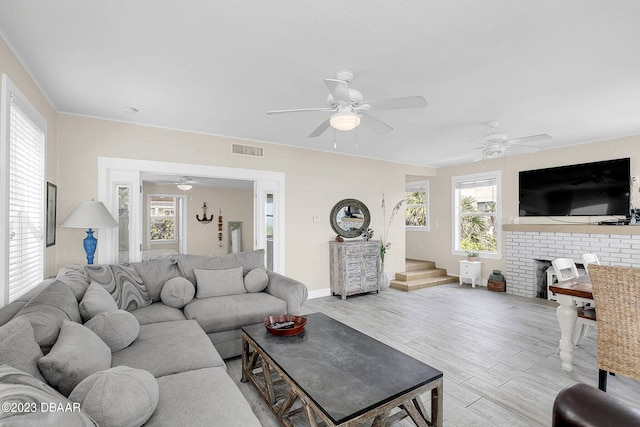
column 162, row 218
column 476, row 206
column 417, row 206
column 23, row 183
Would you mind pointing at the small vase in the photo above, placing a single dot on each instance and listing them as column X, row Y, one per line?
column 383, row 279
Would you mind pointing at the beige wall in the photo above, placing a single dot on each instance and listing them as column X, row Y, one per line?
column 202, row 238
column 11, row 66
column 436, row 244
column 314, row 182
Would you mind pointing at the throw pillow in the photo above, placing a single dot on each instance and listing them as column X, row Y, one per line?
column 31, row 393
column 188, row 263
column 215, row 283
column 256, row 280
column 117, row 328
column 95, row 301
column 177, row 292
column 155, row 273
column 122, row 282
column 18, row 346
column 47, row 310
column 120, row 396
column 77, row 353
column 74, row 277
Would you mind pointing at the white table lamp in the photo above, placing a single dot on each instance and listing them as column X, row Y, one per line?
column 90, row 214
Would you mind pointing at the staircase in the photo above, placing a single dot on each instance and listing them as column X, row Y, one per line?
column 421, row 274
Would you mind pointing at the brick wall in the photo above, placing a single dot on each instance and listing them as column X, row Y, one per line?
column 523, row 247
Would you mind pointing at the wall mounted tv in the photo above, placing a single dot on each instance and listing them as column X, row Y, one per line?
column 587, row 189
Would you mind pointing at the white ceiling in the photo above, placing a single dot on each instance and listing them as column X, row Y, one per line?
column 567, row 68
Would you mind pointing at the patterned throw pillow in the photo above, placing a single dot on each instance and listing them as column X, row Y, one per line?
column 122, row 282
column 28, row 393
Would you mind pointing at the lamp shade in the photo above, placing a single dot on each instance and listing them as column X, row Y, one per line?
column 344, row 121
column 90, row 214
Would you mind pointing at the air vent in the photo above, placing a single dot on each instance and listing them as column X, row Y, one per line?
column 247, row 150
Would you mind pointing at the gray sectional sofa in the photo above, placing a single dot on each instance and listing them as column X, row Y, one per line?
column 149, row 337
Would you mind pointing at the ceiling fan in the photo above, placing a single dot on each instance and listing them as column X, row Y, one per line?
column 349, row 110
column 186, row 183
column 496, row 144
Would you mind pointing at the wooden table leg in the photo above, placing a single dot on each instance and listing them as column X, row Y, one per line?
column 436, row 405
column 567, row 315
column 245, row 360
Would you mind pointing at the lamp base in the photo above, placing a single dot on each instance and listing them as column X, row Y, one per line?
column 90, row 244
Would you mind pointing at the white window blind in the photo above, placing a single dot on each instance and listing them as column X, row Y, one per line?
column 25, row 202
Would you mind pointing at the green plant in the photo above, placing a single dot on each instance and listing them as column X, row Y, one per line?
column 472, row 254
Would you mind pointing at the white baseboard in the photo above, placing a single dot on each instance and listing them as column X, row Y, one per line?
column 319, row 293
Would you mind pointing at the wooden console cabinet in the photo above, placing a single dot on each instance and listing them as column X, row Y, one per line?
column 354, row 267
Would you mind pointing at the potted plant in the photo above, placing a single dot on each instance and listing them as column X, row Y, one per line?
column 472, row 255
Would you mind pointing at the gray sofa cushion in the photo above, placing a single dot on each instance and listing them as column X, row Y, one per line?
column 202, row 397
column 216, row 283
column 96, row 300
column 168, row 348
column 19, row 387
column 77, row 353
column 188, row 263
column 119, row 396
column 177, row 292
column 122, row 282
column 250, row 260
column 156, row 313
column 47, row 310
column 116, row 328
column 233, row 311
column 74, row 277
column 18, row 346
column 155, row 274
column 256, row 280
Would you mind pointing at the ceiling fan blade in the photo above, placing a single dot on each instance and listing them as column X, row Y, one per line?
column 397, row 103
column 374, row 124
column 301, row 110
column 479, row 157
column 516, row 149
column 463, row 155
column 320, row 129
column 531, row 138
column 339, row 90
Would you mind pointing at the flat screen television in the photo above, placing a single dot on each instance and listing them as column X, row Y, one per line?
column 587, row 189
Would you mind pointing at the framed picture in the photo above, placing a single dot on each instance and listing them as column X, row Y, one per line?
column 52, row 201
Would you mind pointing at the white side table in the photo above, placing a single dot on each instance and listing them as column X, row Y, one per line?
column 470, row 270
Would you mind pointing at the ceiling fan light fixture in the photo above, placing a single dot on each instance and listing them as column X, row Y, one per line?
column 492, row 153
column 185, row 187
column 344, row 121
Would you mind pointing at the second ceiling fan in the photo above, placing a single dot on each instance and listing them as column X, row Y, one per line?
column 350, row 110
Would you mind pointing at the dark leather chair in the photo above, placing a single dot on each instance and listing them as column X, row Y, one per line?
column 582, row 405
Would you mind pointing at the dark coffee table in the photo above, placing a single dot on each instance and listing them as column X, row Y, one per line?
column 341, row 377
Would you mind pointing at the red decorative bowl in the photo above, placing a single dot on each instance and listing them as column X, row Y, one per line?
column 285, row 325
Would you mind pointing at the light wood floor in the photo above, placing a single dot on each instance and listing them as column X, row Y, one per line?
column 497, row 351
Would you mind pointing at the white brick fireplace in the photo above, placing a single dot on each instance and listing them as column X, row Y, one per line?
column 525, row 248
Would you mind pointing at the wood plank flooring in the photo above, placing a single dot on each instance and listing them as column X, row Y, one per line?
column 497, row 351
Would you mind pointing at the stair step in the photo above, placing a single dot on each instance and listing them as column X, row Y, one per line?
column 416, row 264
column 422, row 283
column 420, row 274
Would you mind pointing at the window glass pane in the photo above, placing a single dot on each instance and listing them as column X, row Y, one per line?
column 416, row 216
column 416, row 208
column 123, row 223
column 162, row 218
column 477, row 215
column 269, row 224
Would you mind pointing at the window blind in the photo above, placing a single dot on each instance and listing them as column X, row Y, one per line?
column 26, row 202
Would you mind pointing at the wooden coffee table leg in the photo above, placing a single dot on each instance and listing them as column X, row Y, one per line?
column 436, row 404
column 245, row 359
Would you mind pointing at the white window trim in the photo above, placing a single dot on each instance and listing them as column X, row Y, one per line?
column 455, row 232
column 8, row 88
column 420, row 186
